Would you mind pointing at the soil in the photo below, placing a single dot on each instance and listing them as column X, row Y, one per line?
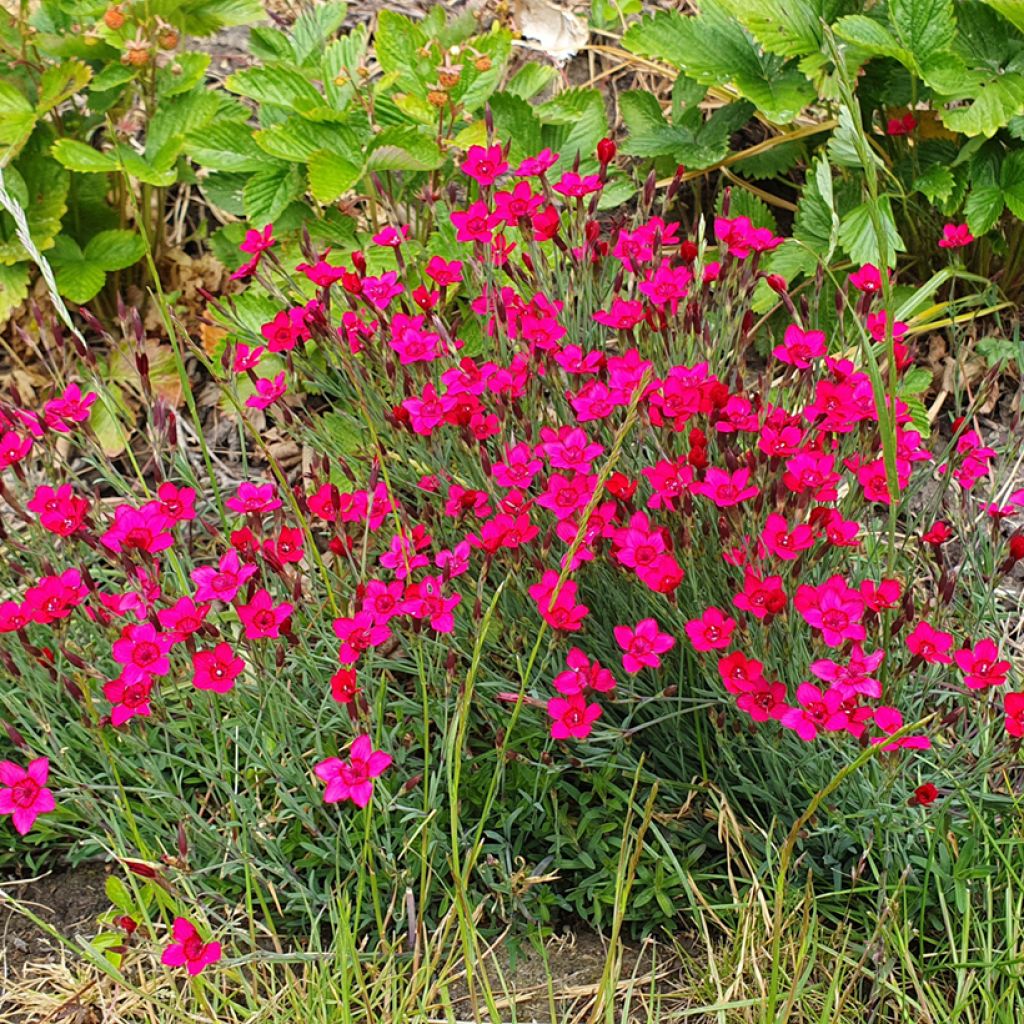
column 69, row 899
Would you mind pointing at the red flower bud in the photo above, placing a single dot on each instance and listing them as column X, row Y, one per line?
column 127, row 924
column 606, row 150
column 923, row 796
column 777, row 283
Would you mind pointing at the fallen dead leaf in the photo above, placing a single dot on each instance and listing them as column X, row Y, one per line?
column 546, row 26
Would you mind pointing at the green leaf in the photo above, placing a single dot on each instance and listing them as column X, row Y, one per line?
column 60, row 82
column 575, row 121
column 924, row 27
column 77, row 278
column 1011, row 180
column 404, row 149
column 151, row 172
column 315, row 26
column 77, row 156
column 225, row 190
column 204, row 17
column 871, row 36
column 340, row 66
column 185, row 72
column 331, row 176
column 268, row 192
column 17, row 117
column 995, row 101
column 13, row 288
column 843, row 150
column 714, row 49
column 226, row 146
column 106, row 424
column 297, row 139
column 1011, row 10
column 516, row 123
column 42, row 187
column 530, row 79
column 113, row 76
column 278, row 86
column 397, row 42
column 857, row 234
column 115, row 250
column 984, row 206
column 936, row 183
column 118, row 894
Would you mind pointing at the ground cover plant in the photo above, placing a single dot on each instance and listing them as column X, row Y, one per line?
column 617, row 578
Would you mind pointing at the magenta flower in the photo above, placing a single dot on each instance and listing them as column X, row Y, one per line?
column 712, row 631
column 261, row 617
column 143, row 652
column 800, row 347
column 572, row 717
column 359, row 633
column 981, row 665
column 484, row 164
column 224, row 582
column 867, row 279
column 129, row 698
column 930, row 644
column 1013, row 706
column 188, row 950
column 216, row 670
column 353, row 779
column 834, row 608
column 955, row 236
column 582, row 674
column 726, row 489
column 23, row 792
column 642, row 645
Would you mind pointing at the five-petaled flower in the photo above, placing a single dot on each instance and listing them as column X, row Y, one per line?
column 188, row 950
column 353, row 779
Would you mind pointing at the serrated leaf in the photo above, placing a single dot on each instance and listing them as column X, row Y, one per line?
column 77, row 278
column 155, row 172
column 118, row 894
column 297, row 139
column 13, row 288
column 1011, row 10
column 994, row 102
column 1011, row 180
column 331, row 176
column 268, row 192
column 315, row 26
column 226, row 146
column 858, row 237
column 106, row 424
column 17, row 117
column 60, row 82
column 181, row 74
column 871, row 36
column 224, row 190
column 984, row 206
column 44, row 184
column 113, row 76
column 278, row 86
column 641, row 113
column 404, row 149
column 530, row 79
column 516, row 123
column 115, row 250
column 924, row 27
column 416, row 108
column 659, row 37
column 574, row 123
column 398, row 42
column 842, row 146
column 204, row 17
column 77, row 156
column 340, row 65
column 936, row 183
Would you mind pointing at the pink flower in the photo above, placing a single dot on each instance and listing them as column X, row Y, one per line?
column 834, row 608
column 13, row 448
column 268, row 391
column 224, row 582
column 1013, row 707
column 582, row 674
column 867, row 279
column 146, row 529
column 254, row 499
column 183, row 618
column 188, row 950
column 712, row 631
column 785, row 543
column 761, row 699
column 359, row 633
column 443, row 272
column 643, row 645
column 812, row 714
column 261, row 617
column 901, row 125
column 130, row 698
column 216, row 670
column 563, row 613
column 930, row 644
column 353, row 779
column 799, row 347
column 23, row 792
column 472, row 224
column 143, row 652
column 572, row 717
column 484, row 164
column 955, row 236
column 981, row 665
column 54, row 597
column 726, row 489
column 425, row 600
column 760, row 597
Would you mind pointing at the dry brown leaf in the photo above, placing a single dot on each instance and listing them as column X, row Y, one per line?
column 547, row 26
column 211, row 334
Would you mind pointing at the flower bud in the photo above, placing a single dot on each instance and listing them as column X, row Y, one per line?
column 606, row 150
